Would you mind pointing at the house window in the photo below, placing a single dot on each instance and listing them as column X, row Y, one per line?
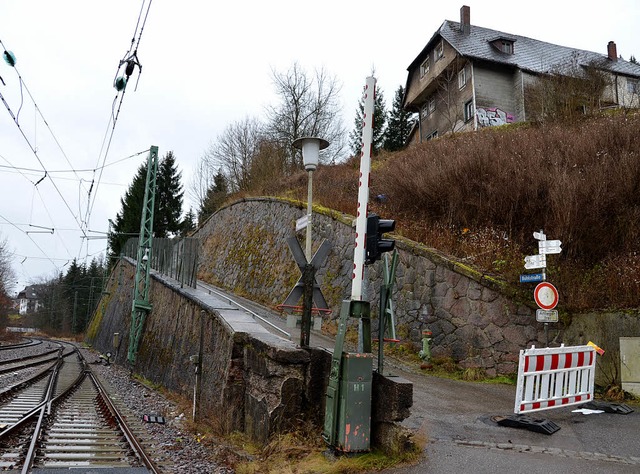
column 462, row 78
column 424, row 111
column 633, row 86
column 507, row 47
column 424, row 67
column 428, row 108
column 440, row 50
column 468, row 111
column 432, row 105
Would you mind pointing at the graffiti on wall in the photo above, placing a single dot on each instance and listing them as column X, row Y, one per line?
column 492, row 117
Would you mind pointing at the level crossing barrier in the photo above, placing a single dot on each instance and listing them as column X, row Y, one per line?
column 554, row 377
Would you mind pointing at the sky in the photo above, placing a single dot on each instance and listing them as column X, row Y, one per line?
column 205, row 65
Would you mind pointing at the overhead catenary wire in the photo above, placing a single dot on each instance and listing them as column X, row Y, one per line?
column 113, row 119
column 90, row 186
column 31, row 146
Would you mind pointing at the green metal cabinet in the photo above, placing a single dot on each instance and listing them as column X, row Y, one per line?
column 354, row 418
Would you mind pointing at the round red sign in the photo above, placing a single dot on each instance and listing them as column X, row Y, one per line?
column 546, row 295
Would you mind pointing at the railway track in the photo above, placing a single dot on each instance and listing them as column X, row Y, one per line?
column 63, row 418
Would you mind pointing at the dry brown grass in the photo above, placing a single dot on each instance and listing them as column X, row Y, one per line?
column 480, row 196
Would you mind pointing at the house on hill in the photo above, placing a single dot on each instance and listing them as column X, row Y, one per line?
column 28, row 299
column 468, row 77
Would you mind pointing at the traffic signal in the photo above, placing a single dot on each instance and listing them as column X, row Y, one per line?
column 376, row 245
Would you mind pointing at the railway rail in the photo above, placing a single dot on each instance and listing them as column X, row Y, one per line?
column 64, row 418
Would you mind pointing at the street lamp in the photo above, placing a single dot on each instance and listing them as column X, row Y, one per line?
column 310, row 147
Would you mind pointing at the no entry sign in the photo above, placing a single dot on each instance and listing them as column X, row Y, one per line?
column 546, row 295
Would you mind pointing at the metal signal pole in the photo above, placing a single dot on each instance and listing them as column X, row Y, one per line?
column 141, row 306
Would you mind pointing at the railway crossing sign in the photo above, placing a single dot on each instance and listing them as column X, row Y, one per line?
column 301, row 261
column 546, row 295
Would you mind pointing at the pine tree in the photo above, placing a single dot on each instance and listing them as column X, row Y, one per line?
column 188, row 223
column 215, row 197
column 379, row 123
column 399, row 125
column 167, row 205
column 127, row 222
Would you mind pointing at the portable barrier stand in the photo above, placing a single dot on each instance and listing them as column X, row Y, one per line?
column 555, row 377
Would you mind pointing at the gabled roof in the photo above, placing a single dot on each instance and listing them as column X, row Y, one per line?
column 529, row 54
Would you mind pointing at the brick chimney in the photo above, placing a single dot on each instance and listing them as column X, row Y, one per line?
column 612, row 51
column 465, row 19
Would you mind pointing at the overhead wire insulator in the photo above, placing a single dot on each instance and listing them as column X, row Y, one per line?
column 9, row 58
column 131, row 64
column 120, row 83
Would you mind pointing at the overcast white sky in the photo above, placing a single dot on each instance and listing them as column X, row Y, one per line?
column 205, row 65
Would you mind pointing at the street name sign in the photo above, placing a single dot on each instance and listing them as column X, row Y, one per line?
column 531, row 277
column 302, row 222
column 535, row 261
column 547, row 316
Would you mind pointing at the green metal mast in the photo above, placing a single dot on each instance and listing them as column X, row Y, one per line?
column 141, row 306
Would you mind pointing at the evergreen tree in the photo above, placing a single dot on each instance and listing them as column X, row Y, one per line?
column 167, row 205
column 215, row 197
column 188, row 223
column 379, row 123
column 399, row 125
column 127, row 221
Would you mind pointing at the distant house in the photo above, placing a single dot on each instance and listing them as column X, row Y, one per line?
column 28, row 299
column 468, row 77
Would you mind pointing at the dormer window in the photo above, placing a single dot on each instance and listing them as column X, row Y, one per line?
column 504, row 45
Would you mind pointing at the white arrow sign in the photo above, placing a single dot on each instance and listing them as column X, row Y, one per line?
column 535, row 261
column 549, row 246
column 539, row 236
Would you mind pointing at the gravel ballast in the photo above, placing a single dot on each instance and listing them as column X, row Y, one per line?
column 175, row 449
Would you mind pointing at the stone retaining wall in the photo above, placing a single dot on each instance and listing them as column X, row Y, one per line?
column 473, row 318
column 252, row 381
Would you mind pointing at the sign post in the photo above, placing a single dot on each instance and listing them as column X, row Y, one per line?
column 545, row 294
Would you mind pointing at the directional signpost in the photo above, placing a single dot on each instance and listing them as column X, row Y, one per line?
column 545, row 294
column 549, row 246
column 535, row 261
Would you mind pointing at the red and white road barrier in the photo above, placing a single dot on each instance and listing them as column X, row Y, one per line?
column 555, row 377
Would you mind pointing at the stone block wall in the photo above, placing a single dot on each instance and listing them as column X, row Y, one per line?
column 252, row 381
column 474, row 318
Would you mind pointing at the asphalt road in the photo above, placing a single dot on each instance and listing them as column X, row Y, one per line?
column 456, row 419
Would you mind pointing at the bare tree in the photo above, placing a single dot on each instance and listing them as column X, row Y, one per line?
column 7, row 277
column 308, row 106
column 448, row 96
column 567, row 93
column 233, row 152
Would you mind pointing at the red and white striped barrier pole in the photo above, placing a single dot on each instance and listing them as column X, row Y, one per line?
column 363, row 190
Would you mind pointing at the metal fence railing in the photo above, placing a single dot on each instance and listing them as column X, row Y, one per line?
column 177, row 257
